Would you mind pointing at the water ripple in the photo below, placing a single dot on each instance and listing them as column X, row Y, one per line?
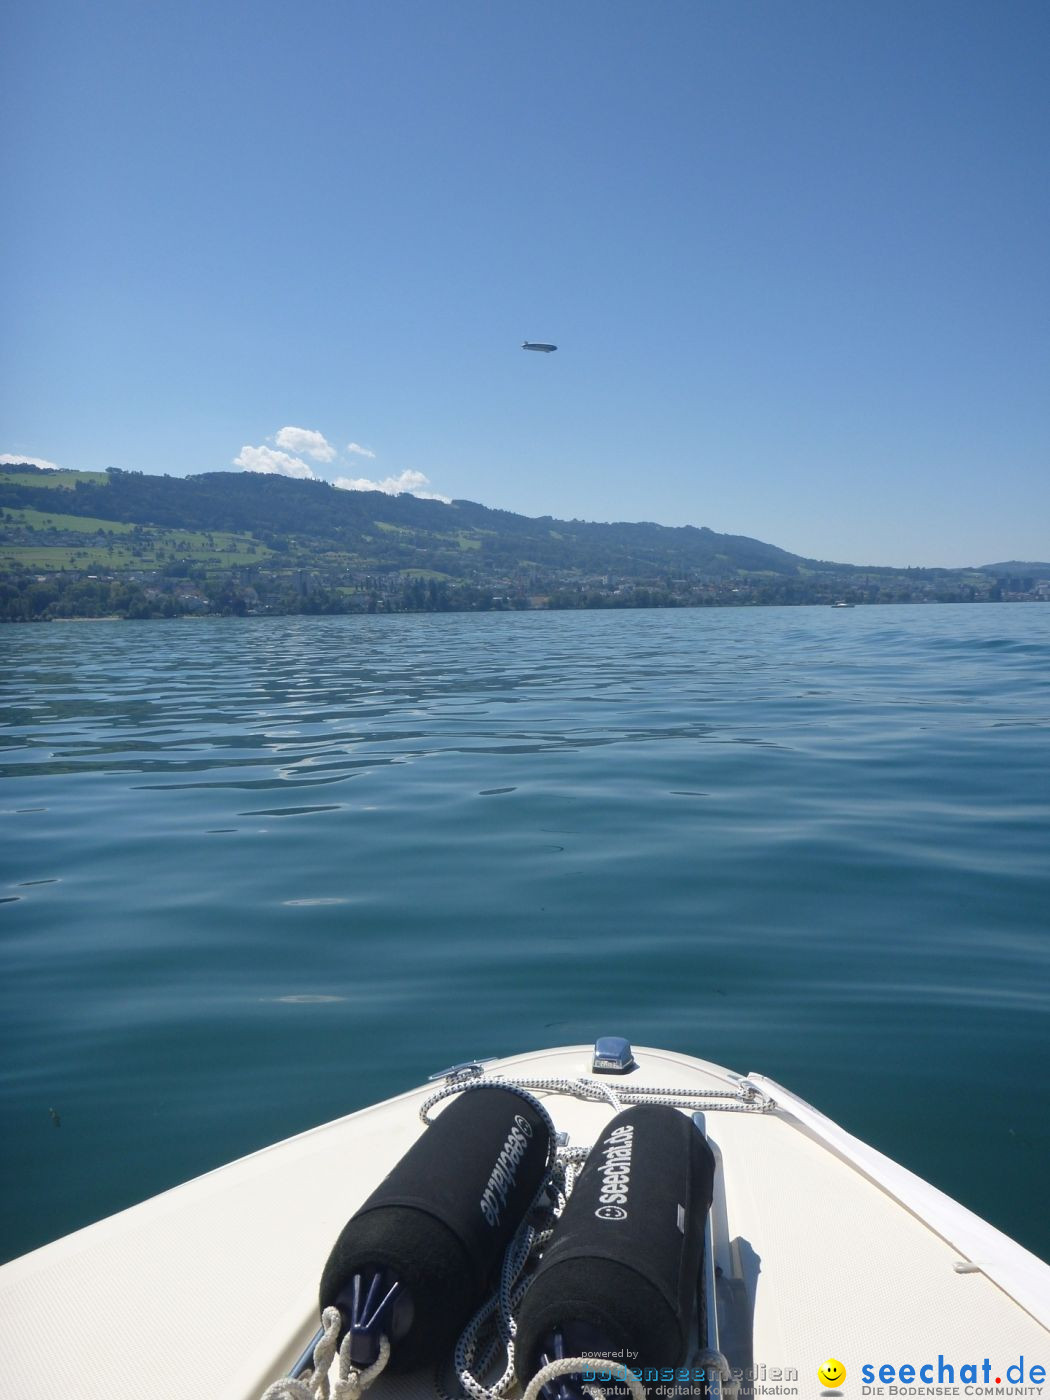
column 802, row 842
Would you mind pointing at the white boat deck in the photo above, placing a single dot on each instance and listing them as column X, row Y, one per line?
column 210, row 1289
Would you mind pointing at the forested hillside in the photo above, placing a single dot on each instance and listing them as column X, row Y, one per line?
column 385, row 529
column 86, row 544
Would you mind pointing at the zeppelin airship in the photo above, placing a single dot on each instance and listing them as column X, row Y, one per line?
column 537, row 345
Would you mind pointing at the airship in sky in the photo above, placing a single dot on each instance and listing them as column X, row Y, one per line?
column 537, row 345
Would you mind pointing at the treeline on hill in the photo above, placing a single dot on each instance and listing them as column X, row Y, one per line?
column 462, row 539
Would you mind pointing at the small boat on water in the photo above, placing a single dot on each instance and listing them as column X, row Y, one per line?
column 642, row 1219
column 842, row 604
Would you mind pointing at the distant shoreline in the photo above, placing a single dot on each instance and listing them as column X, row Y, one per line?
column 199, row 616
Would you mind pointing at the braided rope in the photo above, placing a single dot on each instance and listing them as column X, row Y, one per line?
column 500, row 1308
column 749, row 1098
column 574, row 1365
column 350, row 1383
column 713, row 1361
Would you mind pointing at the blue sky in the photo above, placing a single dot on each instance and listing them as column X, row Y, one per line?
column 794, row 256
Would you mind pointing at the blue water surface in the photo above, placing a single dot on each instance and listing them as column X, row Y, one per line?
column 257, row 873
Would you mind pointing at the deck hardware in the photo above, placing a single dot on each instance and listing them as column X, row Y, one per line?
column 612, row 1055
column 469, row 1069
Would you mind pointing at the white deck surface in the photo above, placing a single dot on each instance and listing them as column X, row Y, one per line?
column 224, row 1269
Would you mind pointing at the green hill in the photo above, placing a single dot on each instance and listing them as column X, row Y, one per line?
column 85, row 544
column 374, row 529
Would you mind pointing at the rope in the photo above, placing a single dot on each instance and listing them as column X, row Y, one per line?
column 749, row 1098
column 713, row 1361
column 350, row 1383
column 500, row 1308
column 574, row 1365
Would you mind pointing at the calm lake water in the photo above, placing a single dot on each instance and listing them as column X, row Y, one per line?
column 259, row 873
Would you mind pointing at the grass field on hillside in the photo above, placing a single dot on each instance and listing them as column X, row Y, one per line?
column 51, row 481
column 53, row 520
column 115, row 545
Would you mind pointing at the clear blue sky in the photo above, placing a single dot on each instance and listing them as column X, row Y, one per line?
column 795, row 255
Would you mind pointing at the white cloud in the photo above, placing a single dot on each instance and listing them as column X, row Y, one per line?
column 307, row 440
column 265, row 459
column 313, row 444
column 14, row 459
column 409, row 481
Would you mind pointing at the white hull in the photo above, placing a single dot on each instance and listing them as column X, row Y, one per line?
column 210, row 1289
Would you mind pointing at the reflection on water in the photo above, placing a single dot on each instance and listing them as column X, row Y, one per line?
column 782, row 839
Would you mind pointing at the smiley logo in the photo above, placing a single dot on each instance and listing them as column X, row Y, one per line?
column 831, row 1374
column 611, row 1213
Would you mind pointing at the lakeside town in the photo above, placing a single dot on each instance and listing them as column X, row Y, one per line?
column 181, row 589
